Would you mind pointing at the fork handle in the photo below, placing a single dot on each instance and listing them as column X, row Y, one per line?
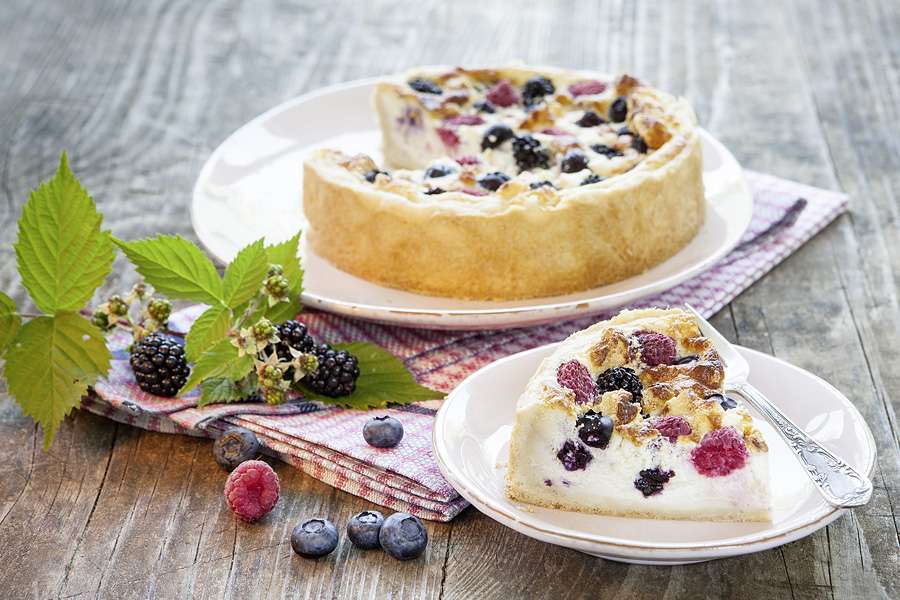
column 839, row 483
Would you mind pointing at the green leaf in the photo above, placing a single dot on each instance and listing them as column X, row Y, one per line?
column 221, row 390
column 245, row 275
column 9, row 321
column 382, row 380
column 50, row 365
column 221, row 360
column 286, row 254
column 61, row 253
column 176, row 267
column 209, row 328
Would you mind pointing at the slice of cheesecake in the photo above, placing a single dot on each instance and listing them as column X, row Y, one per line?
column 628, row 417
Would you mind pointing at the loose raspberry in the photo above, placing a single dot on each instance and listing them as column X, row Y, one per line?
column 464, row 120
column 251, row 490
column 584, row 88
column 656, row 348
column 448, row 136
column 720, row 452
column 576, row 377
column 468, row 160
column 503, row 94
column 672, row 427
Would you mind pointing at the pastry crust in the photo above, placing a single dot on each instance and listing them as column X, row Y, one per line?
column 517, row 242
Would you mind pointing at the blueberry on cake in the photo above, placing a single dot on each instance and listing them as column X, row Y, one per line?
column 510, row 183
column 628, row 417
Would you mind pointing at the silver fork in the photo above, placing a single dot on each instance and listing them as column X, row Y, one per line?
column 839, row 483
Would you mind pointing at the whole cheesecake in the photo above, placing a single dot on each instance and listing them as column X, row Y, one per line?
column 510, row 183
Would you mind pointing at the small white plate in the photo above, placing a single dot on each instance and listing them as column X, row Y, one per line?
column 250, row 187
column 471, row 438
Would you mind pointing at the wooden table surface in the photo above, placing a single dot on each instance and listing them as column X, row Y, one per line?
column 141, row 92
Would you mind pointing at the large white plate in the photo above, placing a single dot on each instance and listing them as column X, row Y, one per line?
column 250, row 187
column 471, row 437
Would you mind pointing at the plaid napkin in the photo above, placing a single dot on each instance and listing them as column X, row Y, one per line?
column 326, row 442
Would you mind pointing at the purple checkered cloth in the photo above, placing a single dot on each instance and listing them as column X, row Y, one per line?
column 326, row 442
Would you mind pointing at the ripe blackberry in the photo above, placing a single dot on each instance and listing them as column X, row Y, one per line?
column 651, row 481
column 293, row 334
column 337, row 373
column 159, row 365
column 620, row 378
column 529, row 154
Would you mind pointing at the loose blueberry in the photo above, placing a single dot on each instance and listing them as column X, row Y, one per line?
column 573, row 161
column 383, row 432
column 493, row 181
column 425, row 86
column 535, row 89
column 594, row 429
column 607, row 151
column 363, row 529
column 235, row 446
column 371, row 175
column 592, row 178
column 618, row 110
column 403, row 536
column 589, row 119
column 437, row 171
column 496, row 135
column 314, row 538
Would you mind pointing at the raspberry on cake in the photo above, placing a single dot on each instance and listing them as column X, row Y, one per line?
column 617, row 422
column 510, row 183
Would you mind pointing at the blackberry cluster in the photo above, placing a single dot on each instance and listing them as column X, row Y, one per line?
column 651, row 481
column 620, row 378
column 159, row 365
column 337, row 373
column 529, row 154
column 293, row 334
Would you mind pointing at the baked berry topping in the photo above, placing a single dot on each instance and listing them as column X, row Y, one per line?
column 720, row 452
column 535, row 89
column 503, row 94
column 574, row 456
column 434, row 190
column 624, row 131
column 724, row 401
column 620, row 378
column 585, row 88
column 529, row 154
column 474, row 192
column 651, row 481
column 573, row 161
column 437, row 171
column 464, row 120
column 496, row 135
column 589, row 119
column 555, row 131
column 548, row 483
column 656, row 348
column 594, row 429
column 576, row 377
column 638, row 143
column 672, row 426
column 618, row 110
column 468, row 160
column 493, row 181
column 448, row 136
column 684, row 360
column 371, row 175
column 425, row 86
column 592, row 178
column 607, row 151
column 539, row 184
column 484, row 106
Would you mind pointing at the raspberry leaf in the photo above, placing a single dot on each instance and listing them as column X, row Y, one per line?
column 245, row 275
column 9, row 322
column 175, row 267
column 61, row 253
column 218, row 390
column 382, row 380
column 220, row 360
column 50, row 365
column 209, row 328
column 286, row 254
